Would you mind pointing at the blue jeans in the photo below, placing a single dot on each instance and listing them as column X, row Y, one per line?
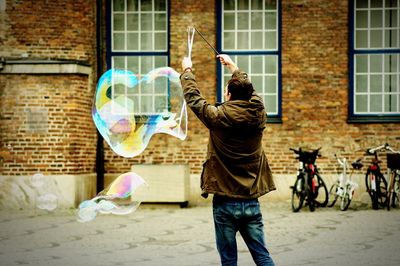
column 233, row 215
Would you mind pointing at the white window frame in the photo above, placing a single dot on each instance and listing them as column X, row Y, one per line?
column 152, row 54
column 261, row 89
column 368, row 112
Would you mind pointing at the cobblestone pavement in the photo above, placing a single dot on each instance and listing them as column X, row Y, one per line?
column 169, row 235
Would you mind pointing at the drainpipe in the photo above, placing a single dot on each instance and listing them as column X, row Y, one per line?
column 99, row 60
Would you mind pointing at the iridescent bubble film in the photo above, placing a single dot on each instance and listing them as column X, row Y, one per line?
column 129, row 109
column 120, row 197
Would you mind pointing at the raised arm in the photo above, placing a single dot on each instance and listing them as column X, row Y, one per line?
column 228, row 62
column 236, row 72
column 206, row 112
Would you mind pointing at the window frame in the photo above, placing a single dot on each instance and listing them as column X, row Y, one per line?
column 276, row 118
column 110, row 53
column 352, row 116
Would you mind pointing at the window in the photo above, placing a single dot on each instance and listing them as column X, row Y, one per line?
column 138, row 41
column 375, row 61
column 250, row 34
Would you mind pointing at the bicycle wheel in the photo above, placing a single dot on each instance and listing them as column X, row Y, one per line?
column 395, row 200
column 333, row 196
column 372, row 193
column 345, row 200
column 321, row 193
column 298, row 194
column 396, row 192
column 390, row 193
column 382, row 191
column 389, row 199
column 311, row 200
column 368, row 183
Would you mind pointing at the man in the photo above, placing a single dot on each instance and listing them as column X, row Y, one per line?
column 236, row 170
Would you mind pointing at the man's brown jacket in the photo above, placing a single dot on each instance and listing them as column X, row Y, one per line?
column 236, row 165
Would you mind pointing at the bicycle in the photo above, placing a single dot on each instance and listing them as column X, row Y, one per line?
column 344, row 187
column 393, row 164
column 309, row 186
column 375, row 181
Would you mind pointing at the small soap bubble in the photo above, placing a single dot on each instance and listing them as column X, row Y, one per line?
column 47, row 202
column 105, row 206
column 86, row 214
column 37, row 180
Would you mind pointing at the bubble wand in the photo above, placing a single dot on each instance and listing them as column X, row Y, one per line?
column 190, row 31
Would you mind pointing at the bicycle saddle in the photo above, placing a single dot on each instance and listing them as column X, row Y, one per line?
column 357, row 164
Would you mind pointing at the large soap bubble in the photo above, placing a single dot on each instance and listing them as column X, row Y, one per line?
column 120, row 198
column 128, row 110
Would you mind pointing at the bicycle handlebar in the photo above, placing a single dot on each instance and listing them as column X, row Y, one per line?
column 342, row 162
column 386, row 146
column 300, row 150
column 391, row 149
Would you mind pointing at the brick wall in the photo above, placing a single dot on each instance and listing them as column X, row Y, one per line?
column 60, row 140
column 48, row 29
column 65, row 142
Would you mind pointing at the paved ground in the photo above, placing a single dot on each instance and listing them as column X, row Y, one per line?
column 168, row 235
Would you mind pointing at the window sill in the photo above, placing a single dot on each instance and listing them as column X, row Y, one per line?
column 274, row 120
column 366, row 119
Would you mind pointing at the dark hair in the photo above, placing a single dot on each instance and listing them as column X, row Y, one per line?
column 240, row 88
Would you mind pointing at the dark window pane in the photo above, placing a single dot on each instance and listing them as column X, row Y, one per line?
column 160, row 5
column 361, row 103
column 146, row 22
column 146, row 104
column 145, row 5
column 160, row 41
column 118, row 5
column 243, row 20
column 132, row 5
column 375, row 103
column 133, row 22
column 361, row 3
column 146, row 41
column 256, row 5
column 229, row 40
column 133, row 64
column 270, row 4
column 133, row 41
column 361, row 83
column 256, row 40
column 229, row 21
column 160, row 22
column 229, row 4
column 270, row 84
column 119, row 22
column 243, row 40
column 243, row 5
column 119, row 41
column 256, row 20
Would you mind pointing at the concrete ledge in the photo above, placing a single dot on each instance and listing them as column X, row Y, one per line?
column 44, row 67
column 166, row 183
column 21, row 192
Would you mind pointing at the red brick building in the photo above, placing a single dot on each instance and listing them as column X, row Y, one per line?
column 329, row 73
